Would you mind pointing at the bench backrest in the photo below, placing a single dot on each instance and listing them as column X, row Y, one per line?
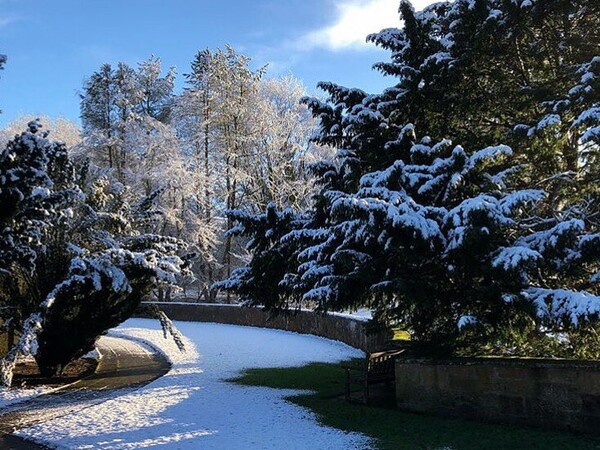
column 382, row 362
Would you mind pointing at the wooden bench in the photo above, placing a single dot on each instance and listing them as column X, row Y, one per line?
column 377, row 368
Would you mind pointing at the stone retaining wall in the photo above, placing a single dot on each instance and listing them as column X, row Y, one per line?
column 351, row 331
column 545, row 393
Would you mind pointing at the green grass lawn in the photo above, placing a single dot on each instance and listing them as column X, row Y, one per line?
column 393, row 429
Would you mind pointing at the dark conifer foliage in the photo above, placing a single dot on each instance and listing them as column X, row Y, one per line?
column 462, row 205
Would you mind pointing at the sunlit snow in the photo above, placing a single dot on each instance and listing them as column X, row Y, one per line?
column 194, row 407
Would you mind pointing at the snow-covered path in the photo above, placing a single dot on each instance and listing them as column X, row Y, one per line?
column 125, row 365
column 192, row 407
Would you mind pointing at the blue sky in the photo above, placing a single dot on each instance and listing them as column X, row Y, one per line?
column 53, row 45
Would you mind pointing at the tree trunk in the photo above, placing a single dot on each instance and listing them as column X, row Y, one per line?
column 570, row 152
column 10, row 337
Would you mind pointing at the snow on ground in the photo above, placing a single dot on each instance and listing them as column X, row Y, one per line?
column 362, row 314
column 16, row 395
column 192, row 407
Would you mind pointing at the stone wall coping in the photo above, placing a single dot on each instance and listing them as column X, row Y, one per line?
column 505, row 361
column 231, row 305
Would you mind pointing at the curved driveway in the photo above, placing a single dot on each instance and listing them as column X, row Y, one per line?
column 125, row 365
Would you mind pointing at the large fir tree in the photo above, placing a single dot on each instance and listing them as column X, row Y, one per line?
column 474, row 247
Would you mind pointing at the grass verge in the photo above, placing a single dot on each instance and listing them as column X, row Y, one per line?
column 393, row 429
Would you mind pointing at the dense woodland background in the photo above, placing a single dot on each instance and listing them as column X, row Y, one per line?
column 232, row 139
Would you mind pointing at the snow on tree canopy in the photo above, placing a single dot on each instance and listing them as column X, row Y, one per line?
column 74, row 266
column 564, row 306
column 515, row 257
column 470, row 224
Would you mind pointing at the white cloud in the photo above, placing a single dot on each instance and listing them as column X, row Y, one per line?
column 355, row 20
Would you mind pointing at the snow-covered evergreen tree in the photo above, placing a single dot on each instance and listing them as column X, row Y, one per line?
column 474, row 70
column 74, row 263
column 63, row 130
column 460, row 244
column 259, row 283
